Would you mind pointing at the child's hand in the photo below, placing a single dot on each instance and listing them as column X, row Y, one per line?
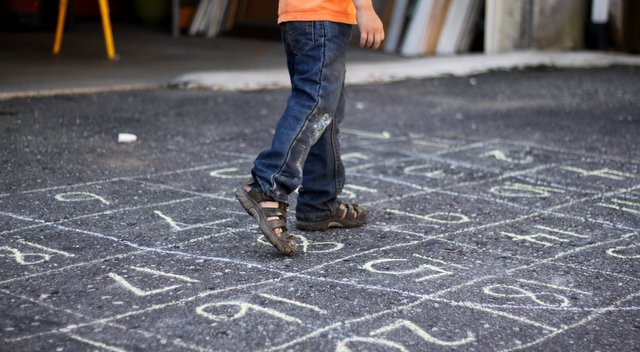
column 370, row 25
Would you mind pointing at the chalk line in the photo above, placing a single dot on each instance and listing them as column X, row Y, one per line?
column 129, row 178
column 107, row 212
column 112, row 324
column 96, row 344
column 571, row 326
column 154, row 307
column 594, row 156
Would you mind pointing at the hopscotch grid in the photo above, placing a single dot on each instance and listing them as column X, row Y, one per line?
column 86, row 216
column 442, row 238
column 539, row 262
column 425, row 190
column 534, row 263
column 154, row 307
column 460, row 184
column 546, row 211
column 482, row 168
column 501, row 313
column 430, row 296
column 572, row 326
column 192, row 169
column 444, row 190
column 472, row 305
column 433, row 237
column 200, row 194
column 527, row 258
column 286, row 274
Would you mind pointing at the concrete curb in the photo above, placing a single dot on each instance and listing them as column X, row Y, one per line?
column 76, row 91
column 403, row 69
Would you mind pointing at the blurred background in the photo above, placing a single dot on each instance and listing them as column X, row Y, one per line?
column 153, row 41
column 414, row 27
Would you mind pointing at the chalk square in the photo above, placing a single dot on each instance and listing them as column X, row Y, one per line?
column 614, row 330
column 523, row 193
column 364, row 155
column 61, row 204
column 166, row 225
column 220, row 179
column 381, row 151
column 350, row 137
column 367, row 190
column 24, row 317
column 445, row 212
column 275, row 312
column 315, row 249
column 45, row 249
column 500, row 157
column 117, row 337
column 547, row 295
column 620, row 209
column 123, row 286
column 52, row 341
column 595, row 176
column 10, row 222
column 420, row 268
column 540, row 236
column 423, row 173
column 416, row 144
column 427, row 325
column 619, row 256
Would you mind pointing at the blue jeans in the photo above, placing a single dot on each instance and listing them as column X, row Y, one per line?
column 305, row 153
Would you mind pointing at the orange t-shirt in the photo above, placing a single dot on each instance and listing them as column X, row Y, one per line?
column 317, row 10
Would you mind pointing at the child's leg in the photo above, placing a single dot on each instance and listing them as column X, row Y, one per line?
column 318, row 205
column 324, row 173
column 316, row 53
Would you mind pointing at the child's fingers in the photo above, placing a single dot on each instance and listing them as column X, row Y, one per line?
column 371, row 40
column 366, row 40
column 378, row 40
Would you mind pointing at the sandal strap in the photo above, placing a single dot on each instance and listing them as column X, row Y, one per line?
column 256, row 193
column 280, row 211
column 279, row 223
column 350, row 210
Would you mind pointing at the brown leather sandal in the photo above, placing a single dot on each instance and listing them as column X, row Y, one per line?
column 250, row 201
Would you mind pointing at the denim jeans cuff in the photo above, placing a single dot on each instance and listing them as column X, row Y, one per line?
column 278, row 196
column 313, row 215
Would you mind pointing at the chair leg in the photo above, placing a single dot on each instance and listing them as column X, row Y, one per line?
column 106, row 27
column 62, row 12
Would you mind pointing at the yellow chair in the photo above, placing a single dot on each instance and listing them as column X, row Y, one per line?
column 106, row 27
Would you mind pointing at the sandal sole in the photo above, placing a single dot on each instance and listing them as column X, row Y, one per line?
column 253, row 209
column 330, row 223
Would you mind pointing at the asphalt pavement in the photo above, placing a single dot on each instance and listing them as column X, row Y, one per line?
column 504, row 216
